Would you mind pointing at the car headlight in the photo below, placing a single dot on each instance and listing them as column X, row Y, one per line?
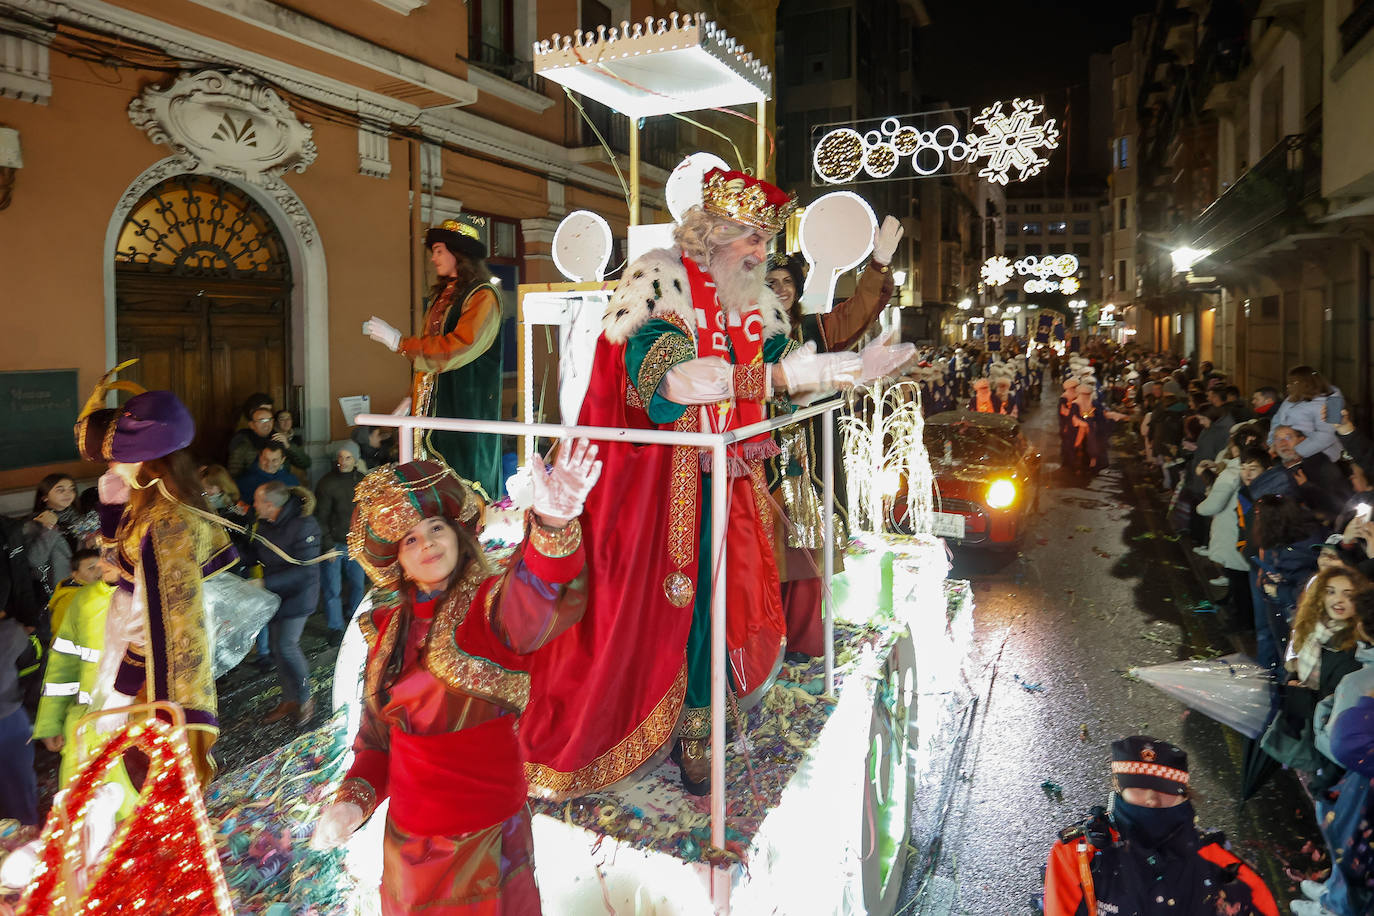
column 1001, row 494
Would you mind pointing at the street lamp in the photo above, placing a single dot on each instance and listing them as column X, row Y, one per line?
column 966, row 304
column 1184, row 258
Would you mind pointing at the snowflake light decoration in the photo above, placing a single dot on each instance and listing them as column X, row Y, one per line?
column 997, row 270
column 1012, row 140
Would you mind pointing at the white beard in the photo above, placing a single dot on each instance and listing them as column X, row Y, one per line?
column 738, row 290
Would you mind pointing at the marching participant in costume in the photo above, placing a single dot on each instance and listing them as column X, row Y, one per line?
column 692, row 340
column 447, row 677
column 157, row 645
column 795, row 477
column 456, row 356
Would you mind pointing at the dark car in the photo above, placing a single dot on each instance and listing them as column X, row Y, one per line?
column 987, row 478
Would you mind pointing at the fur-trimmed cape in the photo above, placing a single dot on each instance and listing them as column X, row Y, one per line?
column 656, row 285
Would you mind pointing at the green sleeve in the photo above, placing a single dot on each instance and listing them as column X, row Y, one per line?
column 776, row 347
column 654, row 349
column 64, row 668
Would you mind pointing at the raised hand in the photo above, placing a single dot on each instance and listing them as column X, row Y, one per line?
column 560, row 491
column 885, row 240
column 805, row 370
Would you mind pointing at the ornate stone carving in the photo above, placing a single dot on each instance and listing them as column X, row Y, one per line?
column 228, row 123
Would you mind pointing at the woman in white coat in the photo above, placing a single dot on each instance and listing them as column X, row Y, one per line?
column 1221, row 506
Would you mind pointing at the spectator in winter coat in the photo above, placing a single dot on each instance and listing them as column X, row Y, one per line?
column 1344, row 814
column 1305, row 409
column 18, row 781
column 1264, row 402
column 271, row 466
column 285, row 520
column 85, row 570
column 1220, row 506
column 1321, row 485
column 1259, row 477
column 284, row 431
column 334, row 510
column 375, row 446
column 1284, row 535
column 1146, row 849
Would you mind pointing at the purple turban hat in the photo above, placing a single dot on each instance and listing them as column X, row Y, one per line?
column 149, row 425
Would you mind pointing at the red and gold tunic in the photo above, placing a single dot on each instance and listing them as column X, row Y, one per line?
column 439, row 739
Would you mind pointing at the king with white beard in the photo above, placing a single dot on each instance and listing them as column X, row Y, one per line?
column 692, row 341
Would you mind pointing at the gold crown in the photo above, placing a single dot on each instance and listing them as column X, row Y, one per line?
column 743, row 202
column 452, row 225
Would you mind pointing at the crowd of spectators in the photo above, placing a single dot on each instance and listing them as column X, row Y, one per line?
column 282, row 527
column 1273, row 489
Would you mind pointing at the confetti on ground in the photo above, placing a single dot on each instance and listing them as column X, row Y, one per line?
column 1029, row 686
column 1203, row 607
column 1083, row 528
column 1052, row 790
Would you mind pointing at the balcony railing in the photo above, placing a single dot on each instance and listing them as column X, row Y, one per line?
column 1357, row 25
column 505, row 65
column 658, row 140
column 1287, row 175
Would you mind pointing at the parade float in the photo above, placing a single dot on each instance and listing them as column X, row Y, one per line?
column 811, row 808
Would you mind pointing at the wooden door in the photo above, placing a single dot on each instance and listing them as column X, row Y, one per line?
column 202, row 299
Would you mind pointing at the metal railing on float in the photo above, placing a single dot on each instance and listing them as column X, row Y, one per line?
column 718, row 443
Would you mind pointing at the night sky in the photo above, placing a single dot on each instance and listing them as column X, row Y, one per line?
column 978, row 51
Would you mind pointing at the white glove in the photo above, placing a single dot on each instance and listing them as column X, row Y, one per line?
column 806, row 370
column 382, row 332
column 337, row 823
column 560, row 491
column 882, row 358
column 885, row 239
column 112, row 488
column 706, row 380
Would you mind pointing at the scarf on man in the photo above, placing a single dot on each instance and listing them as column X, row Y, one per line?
column 738, row 339
column 1307, row 663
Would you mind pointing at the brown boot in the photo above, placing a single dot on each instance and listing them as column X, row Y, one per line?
column 284, row 709
column 693, row 758
column 305, row 713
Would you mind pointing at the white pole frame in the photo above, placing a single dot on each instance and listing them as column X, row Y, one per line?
column 718, row 443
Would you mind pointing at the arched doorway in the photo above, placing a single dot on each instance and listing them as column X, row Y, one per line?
column 203, row 300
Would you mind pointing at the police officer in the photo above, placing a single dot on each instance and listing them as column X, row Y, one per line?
column 1144, row 856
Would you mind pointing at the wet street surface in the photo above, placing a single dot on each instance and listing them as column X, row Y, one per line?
column 1100, row 586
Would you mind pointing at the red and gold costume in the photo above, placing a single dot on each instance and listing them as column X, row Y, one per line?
column 438, row 736
column 609, row 699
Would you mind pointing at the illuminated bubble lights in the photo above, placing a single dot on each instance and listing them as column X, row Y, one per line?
column 844, row 154
column 1055, row 273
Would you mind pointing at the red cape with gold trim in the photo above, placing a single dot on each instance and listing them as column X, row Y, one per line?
column 605, row 697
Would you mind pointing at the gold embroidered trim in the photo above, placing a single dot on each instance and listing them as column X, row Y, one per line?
column 681, row 324
column 749, row 382
column 667, row 352
column 632, row 397
column 620, row 761
column 555, row 543
column 359, row 791
column 471, row 674
column 759, row 484
column 369, row 628
column 696, row 720
column 684, row 483
column 107, row 442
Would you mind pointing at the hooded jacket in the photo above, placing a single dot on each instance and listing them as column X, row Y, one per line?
column 297, row 534
column 1348, row 692
column 1220, row 505
column 1309, row 418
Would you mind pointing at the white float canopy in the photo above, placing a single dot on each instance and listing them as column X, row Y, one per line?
column 656, row 67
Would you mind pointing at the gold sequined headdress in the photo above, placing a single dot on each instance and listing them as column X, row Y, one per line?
column 393, row 499
column 746, row 199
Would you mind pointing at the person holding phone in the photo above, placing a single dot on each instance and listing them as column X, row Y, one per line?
column 1313, row 407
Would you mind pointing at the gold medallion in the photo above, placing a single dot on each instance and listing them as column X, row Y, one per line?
column 678, row 588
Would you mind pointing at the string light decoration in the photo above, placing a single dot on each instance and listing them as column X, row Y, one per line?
column 1055, row 273
column 843, row 154
column 684, row 62
column 162, row 858
column 1012, row 140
